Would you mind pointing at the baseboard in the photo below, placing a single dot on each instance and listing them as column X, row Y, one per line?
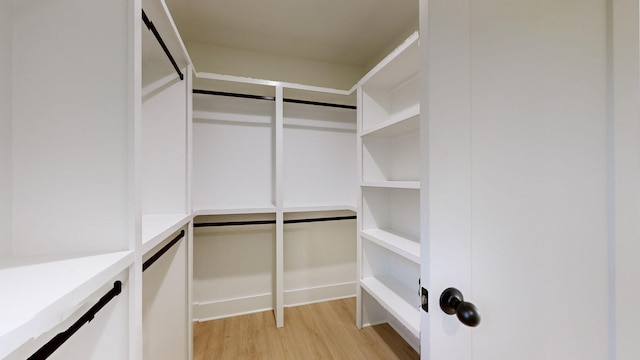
column 212, row 310
column 317, row 294
column 220, row 309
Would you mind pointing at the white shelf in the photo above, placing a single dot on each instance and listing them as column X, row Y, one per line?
column 236, row 211
column 394, row 297
column 393, row 184
column 399, row 66
column 156, row 228
column 400, row 125
column 401, row 244
column 318, row 207
column 41, row 292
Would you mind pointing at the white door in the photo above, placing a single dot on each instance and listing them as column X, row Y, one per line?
column 521, row 209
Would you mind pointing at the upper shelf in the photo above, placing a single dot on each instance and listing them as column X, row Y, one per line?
column 41, row 292
column 400, row 66
column 155, row 64
column 395, row 127
column 236, row 211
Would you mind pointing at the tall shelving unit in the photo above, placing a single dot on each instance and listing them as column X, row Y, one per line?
column 164, row 167
column 389, row 216
column 248, row 151
column 68, row 228
column 95, row 180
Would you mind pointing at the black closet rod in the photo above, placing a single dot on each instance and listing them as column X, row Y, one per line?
column 272, row 98
column 263, row 222
column 53, row 344
column 153, row 29
column 161, row 252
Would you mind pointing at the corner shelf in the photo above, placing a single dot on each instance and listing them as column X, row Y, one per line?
column 41, row 292
column 394, row 298
column 402, row 244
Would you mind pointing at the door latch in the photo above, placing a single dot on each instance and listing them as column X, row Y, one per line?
column 424, row 297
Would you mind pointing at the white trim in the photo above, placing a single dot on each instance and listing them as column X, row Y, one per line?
column 389, row 58
column 312, row 295
column 254, row 81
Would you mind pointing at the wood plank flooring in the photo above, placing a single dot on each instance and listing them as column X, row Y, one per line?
column 318, row 331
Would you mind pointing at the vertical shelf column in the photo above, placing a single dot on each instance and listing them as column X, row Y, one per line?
column 279, row 200
column 359, row 307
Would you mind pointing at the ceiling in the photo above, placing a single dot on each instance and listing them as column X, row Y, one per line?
column 348, row 32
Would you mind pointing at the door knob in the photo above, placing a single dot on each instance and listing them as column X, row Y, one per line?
column 452, row 302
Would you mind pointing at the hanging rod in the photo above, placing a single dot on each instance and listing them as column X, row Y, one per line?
column 272, row 98
column 153, row 29
column 161, row 252
column 263, row 222
column 57, row 341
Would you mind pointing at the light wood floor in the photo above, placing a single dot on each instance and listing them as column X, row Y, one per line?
column 319, row 331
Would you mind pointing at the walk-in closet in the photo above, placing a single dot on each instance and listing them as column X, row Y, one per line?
column 141, row 195
column 401, row 179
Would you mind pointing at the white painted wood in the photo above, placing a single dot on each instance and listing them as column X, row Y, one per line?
column 164, row 150
column 156, row 228
column 392, row 184
column 518, row 207
column 90, row 340
column 625, row 251
column 232, row 265
column 401, row 244
column 46, row 290
column 135, row 181
column 319, row 207
column 224, row 308
column 279, row 202
column 288, row 85
column 228, row 172
column 393, row 297
column 155, row 63
column 189, row 177
column 319, row 160
column 394, row 128
column 391, row 209
column 71, row 131
column 399, row 65
column 235, row 211
column 318, row 257
column 164, row 312
column 318, row 294
column 6, row 171
column 390, row 161
column 359, row 296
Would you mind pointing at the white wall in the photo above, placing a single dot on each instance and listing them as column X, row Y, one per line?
column 71, row 128
column 239, row 62
column 5, row 127
column 626, row 162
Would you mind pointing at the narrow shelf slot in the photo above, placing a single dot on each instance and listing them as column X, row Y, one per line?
column 401, row 244
column 395, row 298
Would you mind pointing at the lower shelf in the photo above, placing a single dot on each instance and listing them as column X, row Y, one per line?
column 394, row 297
column 41, row 292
